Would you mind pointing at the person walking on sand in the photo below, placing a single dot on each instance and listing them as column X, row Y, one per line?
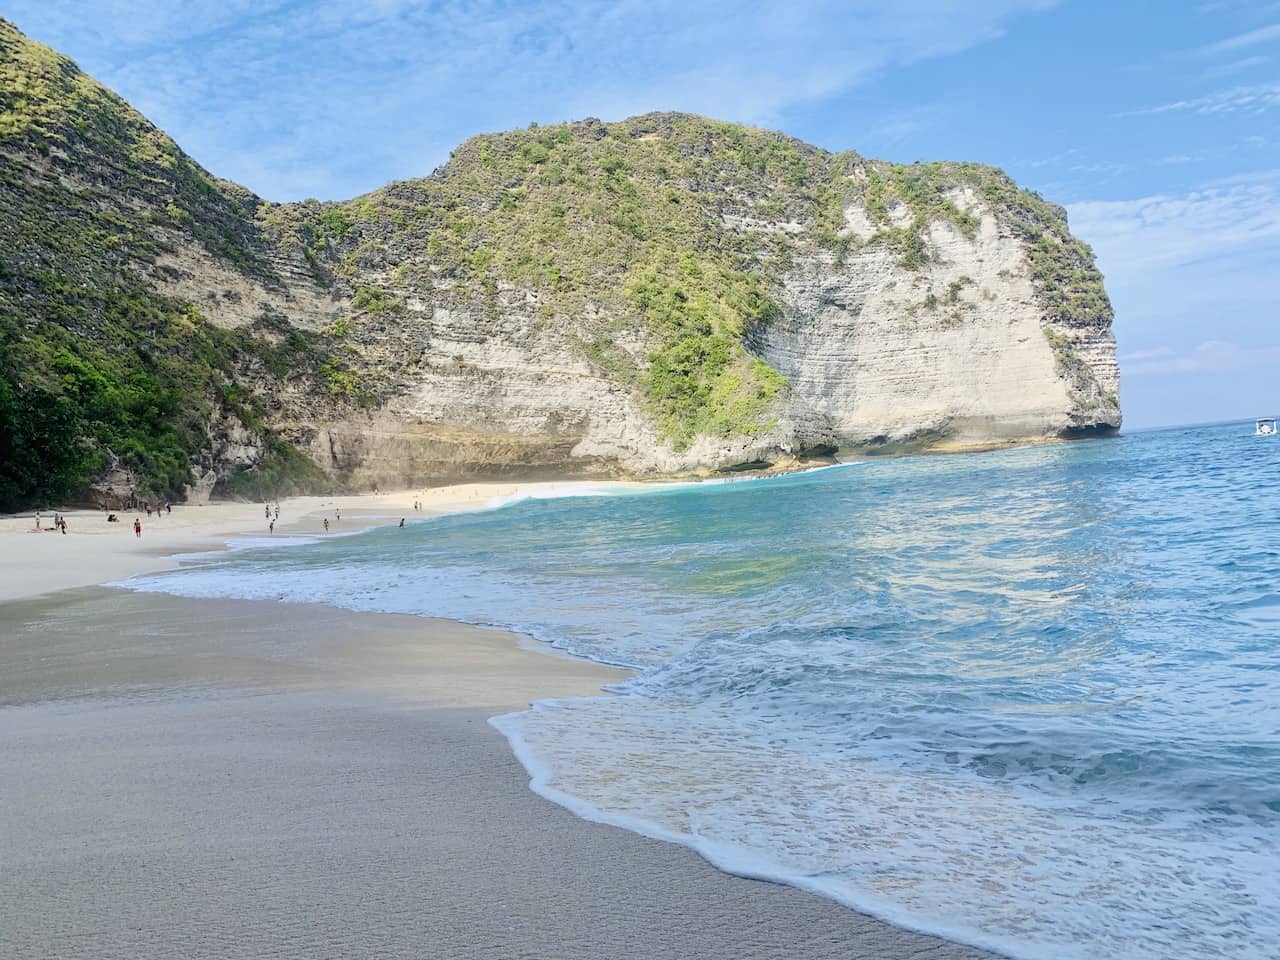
column 137, row 528
column 326, row 524
column 62, row 525
column 271, row 527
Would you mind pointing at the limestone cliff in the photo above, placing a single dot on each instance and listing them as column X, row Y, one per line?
column 664, row 295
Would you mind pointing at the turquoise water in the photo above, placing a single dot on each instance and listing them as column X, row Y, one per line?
column 1027, row 699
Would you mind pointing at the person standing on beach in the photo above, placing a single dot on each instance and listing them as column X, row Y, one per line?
column 326, row 524
column 271, row 527
column 62, row 525
column 137, row 528
column 402, row 521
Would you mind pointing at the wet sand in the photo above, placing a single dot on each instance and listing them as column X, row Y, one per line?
column 212, row 779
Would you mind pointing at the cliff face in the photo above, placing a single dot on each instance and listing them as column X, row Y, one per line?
column 868, row 304
column 960, row 351
column 668, row 294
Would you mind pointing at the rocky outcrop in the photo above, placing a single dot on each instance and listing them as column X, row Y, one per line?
column 958, row 352
column 665, row 295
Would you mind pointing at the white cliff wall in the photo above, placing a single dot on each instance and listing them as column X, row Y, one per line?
column 956, row 350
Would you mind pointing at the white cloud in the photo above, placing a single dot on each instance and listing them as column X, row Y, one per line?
column 1237, row 66
column 1154, row 353
column 1210, row 356
column 1193, row 282
column 1156, row 233
column 1247, row 99
column 331, row 97
column 1250, row 39
column 1100, row 168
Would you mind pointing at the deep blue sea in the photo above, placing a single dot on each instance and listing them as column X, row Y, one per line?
column 1027, row 699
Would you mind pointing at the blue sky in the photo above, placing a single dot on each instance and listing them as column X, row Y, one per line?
column 1154, row 123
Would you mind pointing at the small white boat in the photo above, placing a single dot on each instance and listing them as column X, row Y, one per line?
column 1266, row 427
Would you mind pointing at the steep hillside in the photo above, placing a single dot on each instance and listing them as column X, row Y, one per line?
column 103, row 365
column 668, row 294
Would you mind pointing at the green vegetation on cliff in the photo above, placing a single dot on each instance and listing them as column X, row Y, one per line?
column 671, row 217
column 606, row 224
column 657, row 248
column 92, row 358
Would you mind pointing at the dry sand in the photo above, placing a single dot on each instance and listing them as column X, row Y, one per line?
column 211, row 779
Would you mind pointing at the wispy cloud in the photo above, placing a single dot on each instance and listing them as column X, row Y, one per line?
column 1210, row 356
column 1100, row 168
column 1247, row 99
column 892, row 130
column 1242, row 40
column 1191, row 278
column 1140, row 356
column 1233, row 67
column 331, row 97
column 1157, row 233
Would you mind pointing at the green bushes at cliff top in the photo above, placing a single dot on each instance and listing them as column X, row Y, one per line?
column 617, row 221
column 586, row 214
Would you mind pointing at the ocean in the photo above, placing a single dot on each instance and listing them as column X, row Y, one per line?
column 1026, row 699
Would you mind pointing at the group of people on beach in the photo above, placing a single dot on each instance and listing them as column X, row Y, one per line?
column 59, row 523
column 157, row 508
column 270, row 512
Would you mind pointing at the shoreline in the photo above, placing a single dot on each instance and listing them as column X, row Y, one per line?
column 208, row 527
column 227, row 779
column 94, row 551
column 480, row 672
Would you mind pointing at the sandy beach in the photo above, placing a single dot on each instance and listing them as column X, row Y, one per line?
column 94, row 551
column 212, row 779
